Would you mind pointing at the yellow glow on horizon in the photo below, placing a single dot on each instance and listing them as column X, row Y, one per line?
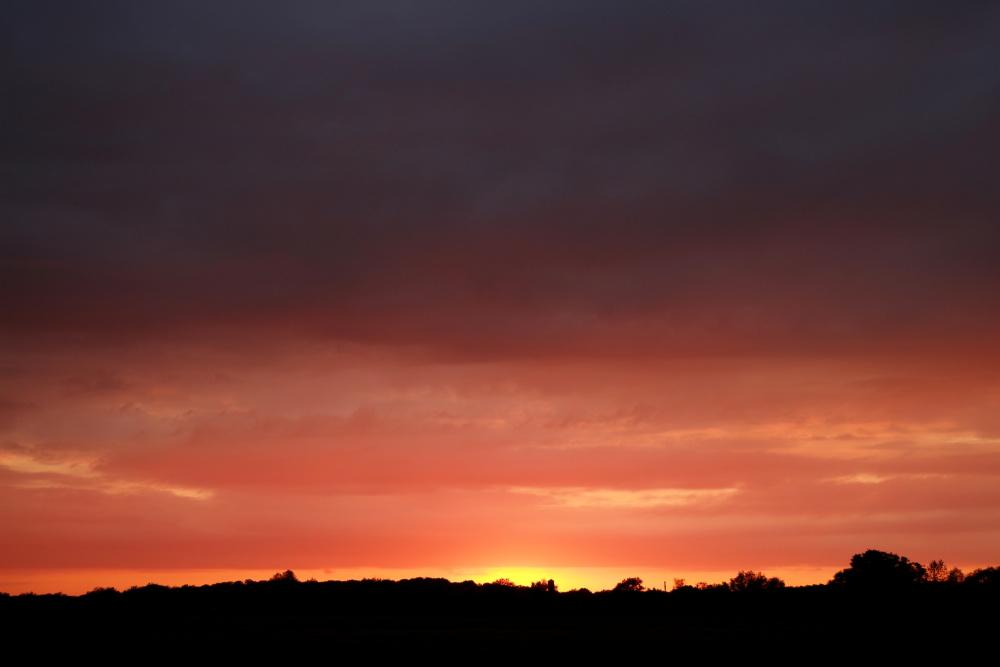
column 78, row 582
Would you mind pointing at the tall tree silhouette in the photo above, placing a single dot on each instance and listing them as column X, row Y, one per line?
column 937, row 571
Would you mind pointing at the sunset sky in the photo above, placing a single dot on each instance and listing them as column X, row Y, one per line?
column 581, row 290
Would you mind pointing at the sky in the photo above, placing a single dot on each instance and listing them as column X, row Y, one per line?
column 581, row 290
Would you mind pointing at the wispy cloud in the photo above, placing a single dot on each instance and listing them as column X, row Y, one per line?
column 860, row 478
column 620, row 498
column 870, row 478
column 80, row 474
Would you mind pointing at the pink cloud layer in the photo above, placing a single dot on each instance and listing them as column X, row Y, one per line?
column 326, row 457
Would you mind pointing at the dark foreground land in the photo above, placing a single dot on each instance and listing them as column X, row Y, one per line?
column 368, row 620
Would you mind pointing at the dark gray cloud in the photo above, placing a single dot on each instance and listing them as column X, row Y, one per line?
column 521, row 177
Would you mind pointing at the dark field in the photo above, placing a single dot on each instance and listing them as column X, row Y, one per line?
column 289, row 623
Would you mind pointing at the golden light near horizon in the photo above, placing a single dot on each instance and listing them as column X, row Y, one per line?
column 81, row 580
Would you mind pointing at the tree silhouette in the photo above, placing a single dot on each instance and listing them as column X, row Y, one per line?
column 547, row 586
column 937, row 571
column 629, row 584
column 985, row 575
column 504, row 582
column 879, row 569
column 754, row 581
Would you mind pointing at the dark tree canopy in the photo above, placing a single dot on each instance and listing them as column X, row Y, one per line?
column 754, row 581
column 504, row 582
column 548, row 586
column 880, row 569
column 937, row 572
column 629, row 584
column 986, row 575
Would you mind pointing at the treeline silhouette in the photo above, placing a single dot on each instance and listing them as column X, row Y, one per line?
column 869, row 572
column 879, row 595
